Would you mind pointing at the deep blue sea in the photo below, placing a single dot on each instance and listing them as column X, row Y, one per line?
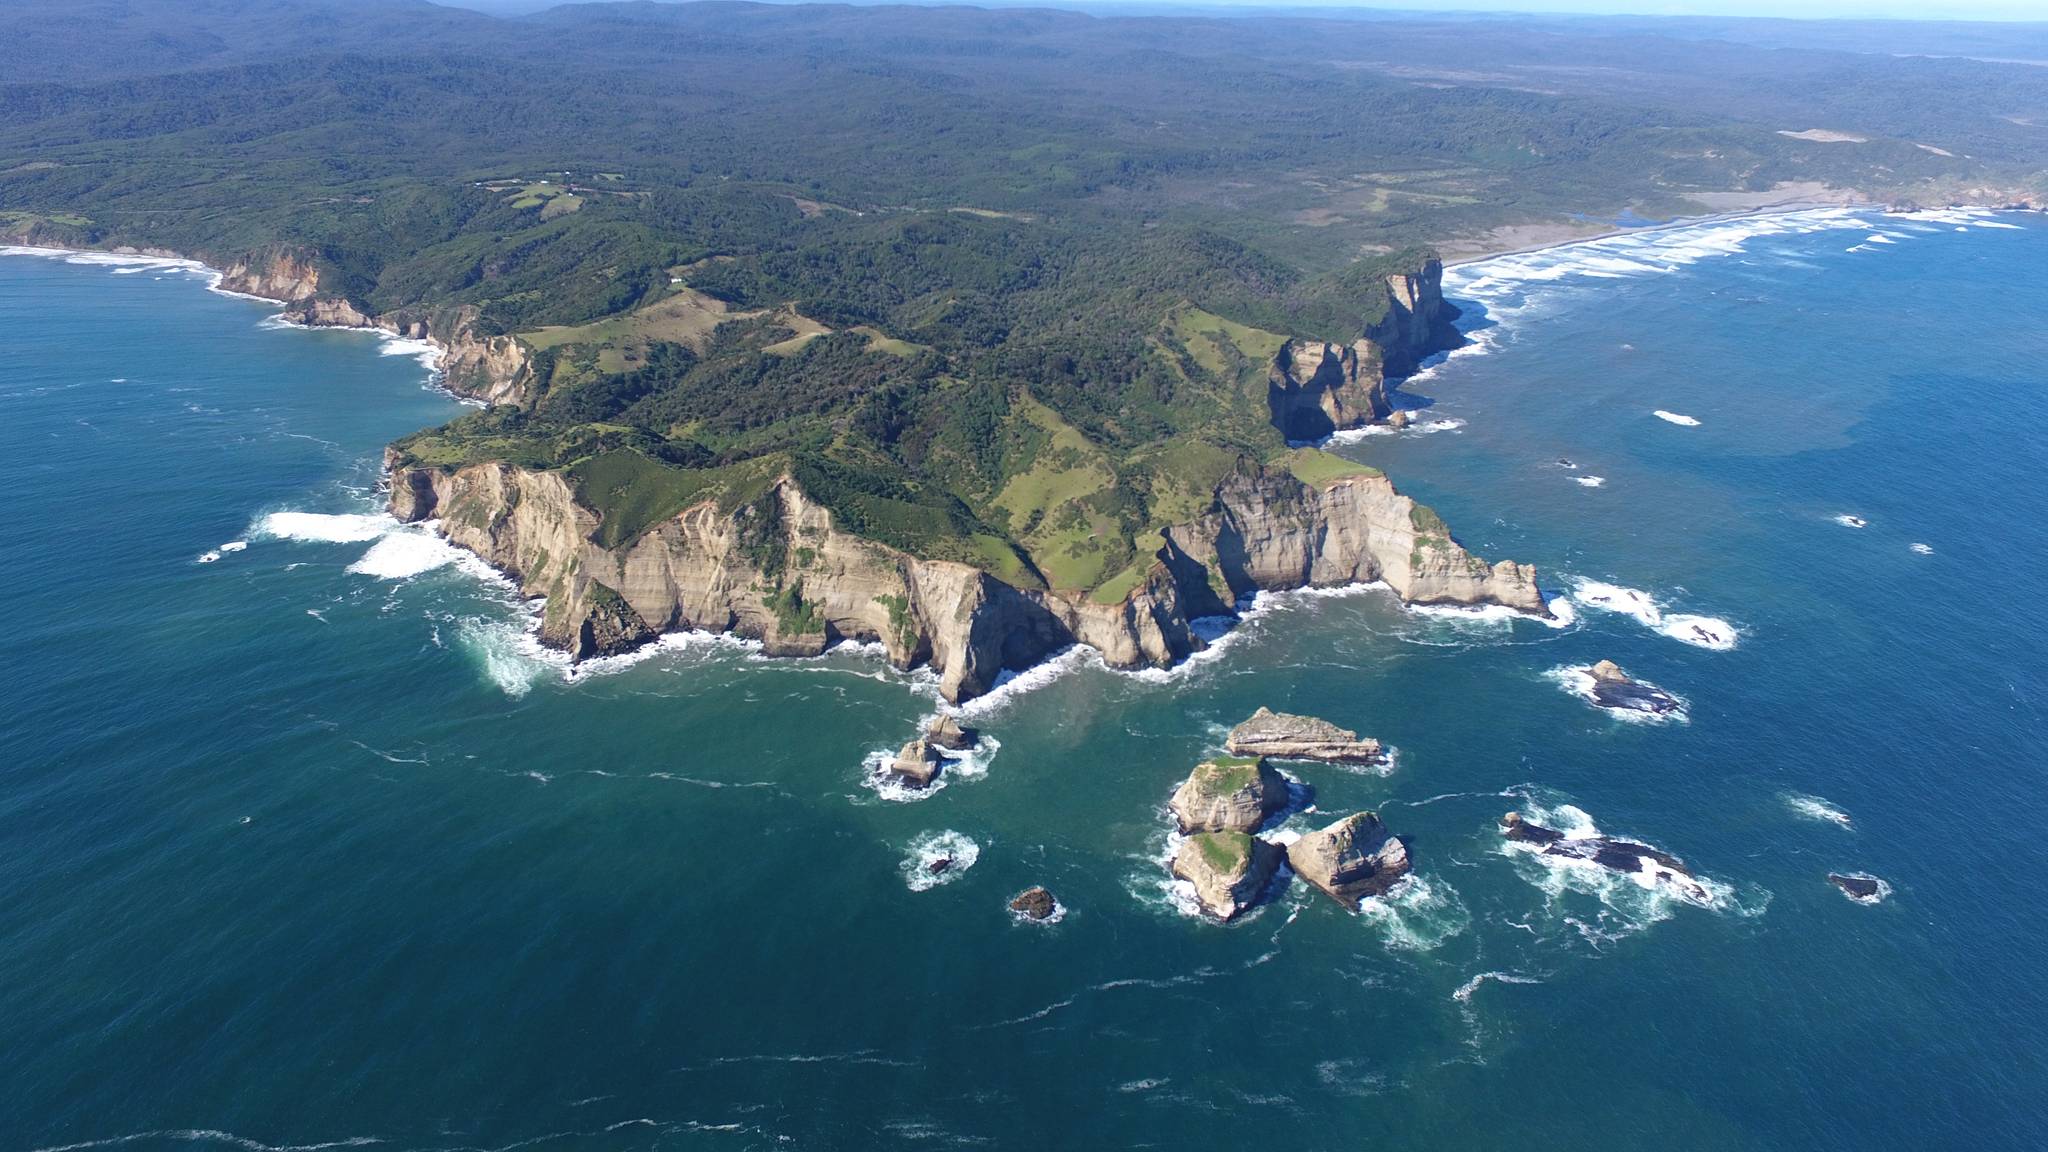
column 303, row 845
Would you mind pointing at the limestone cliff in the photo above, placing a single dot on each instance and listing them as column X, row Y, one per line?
column 1264, row 531
column 1315, row 387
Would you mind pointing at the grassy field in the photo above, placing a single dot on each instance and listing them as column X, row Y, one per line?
column 1226, row 852
column 1316, row 468
column 1047, row 503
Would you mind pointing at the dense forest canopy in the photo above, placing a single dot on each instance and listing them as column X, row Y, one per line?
column 993, row 274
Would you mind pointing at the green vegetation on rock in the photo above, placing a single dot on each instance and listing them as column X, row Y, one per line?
column 1226, row 852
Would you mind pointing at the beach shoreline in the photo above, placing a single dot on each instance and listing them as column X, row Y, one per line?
column 1678, row 223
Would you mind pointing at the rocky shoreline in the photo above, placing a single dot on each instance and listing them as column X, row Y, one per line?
column 1265, row 531
column 472, row 365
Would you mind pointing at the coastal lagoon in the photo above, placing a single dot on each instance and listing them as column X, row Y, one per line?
column 308, row 843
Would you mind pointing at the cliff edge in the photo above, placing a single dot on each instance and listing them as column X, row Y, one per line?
column 780, row 569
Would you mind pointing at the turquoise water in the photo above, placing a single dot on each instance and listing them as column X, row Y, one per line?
column 295, row 854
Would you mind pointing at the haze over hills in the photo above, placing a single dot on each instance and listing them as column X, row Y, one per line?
column 1038, row 293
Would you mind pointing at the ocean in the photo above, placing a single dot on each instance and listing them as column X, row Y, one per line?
column 304, row 844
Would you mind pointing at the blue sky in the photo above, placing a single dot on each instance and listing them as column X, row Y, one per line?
column 1789, row 9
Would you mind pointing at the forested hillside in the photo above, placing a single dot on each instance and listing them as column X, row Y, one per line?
column 1007, row 275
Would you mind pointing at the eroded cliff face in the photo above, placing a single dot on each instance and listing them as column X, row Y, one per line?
column 1316, row 388
column 1418, row 320
column 707, row 568
column 273, row 275
column 494, row 369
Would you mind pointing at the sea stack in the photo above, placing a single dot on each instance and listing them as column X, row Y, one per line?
column 1350, row 860
column 1287, row 737
column 916, row 765
column 1613, row 688
column 1228, row 870
column 946, row 732
column 1228, row 794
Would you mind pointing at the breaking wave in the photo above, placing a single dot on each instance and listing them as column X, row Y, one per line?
column 1624, row 903
column 1699, row 631
column 1579, row 682
column 937, row 858
column 1817, row 808
column 1417, row 914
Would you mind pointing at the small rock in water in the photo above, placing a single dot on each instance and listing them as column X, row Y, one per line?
column 917, row 765
column 946, row 732
column 1608, row 852
column 1515, row 828
column 939, row 865
column 1034, row 903
column 1858, row 887
column 1562, row 462
column 1612, row 688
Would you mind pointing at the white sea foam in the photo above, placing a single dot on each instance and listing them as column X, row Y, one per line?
column 1011, row 684
column 1153, row 883
column 1647, row 252
column 959, row 851
column 234, row 546
column 1488, row 614
column 970, row 764
column 207, row 557
column 1590, row 481
column 1883, row 892
column 1580, row 683
column 1629, row 901
column 1848, row 521
column 1219, row 634
column 1614, row 598
column 330, row 528
column 1676, row 418
column 1922, row 549
column 1700, row 631
column 1816, row 808
column 428, row 354
column 404, row 554
column 1417, row 914
column 1465, row 990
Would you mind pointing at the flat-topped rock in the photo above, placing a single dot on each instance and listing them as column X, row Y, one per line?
column 1228, row 794
column 1034, row 903
column 1227, row 869
column 946, row 732
column 917, row 764
column 1350, row 860
column 1613, row 688
column 1287, row 737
